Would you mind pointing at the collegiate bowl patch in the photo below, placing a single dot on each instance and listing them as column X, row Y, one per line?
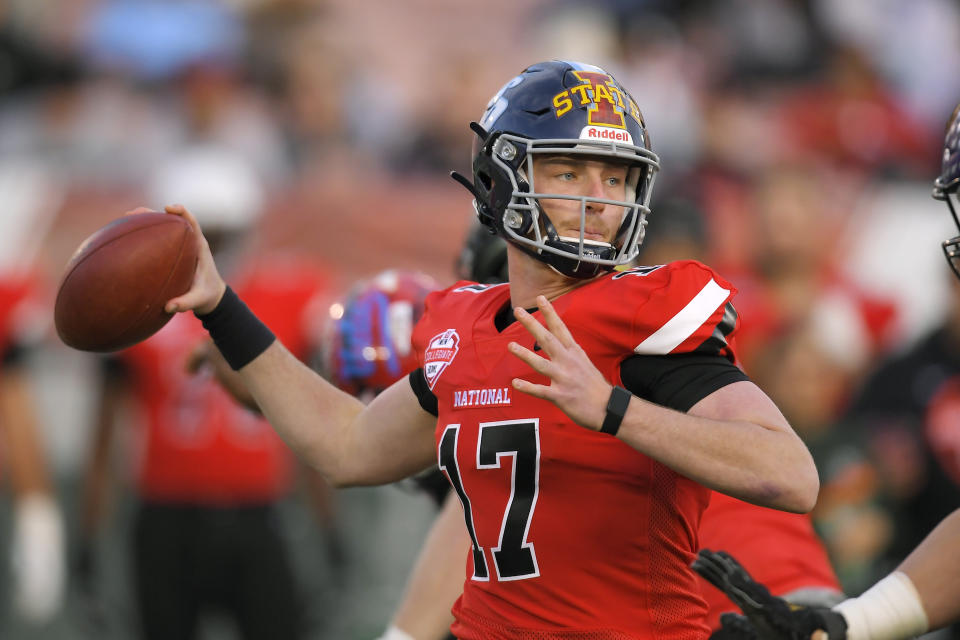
column 440, row 352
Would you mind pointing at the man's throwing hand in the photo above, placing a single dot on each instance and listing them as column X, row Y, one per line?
column 208, row 286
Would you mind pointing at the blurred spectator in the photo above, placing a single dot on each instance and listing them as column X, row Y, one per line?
column 793, row 270
column 852, row 119
column 206, row 535
column 155, row 40
column 675, row 231
column 907, row 408
column 914, row 45
column 805, row 369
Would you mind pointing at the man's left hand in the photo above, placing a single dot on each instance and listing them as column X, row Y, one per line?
column 576, row 386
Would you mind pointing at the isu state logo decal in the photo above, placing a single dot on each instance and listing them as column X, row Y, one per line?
column 439, row 353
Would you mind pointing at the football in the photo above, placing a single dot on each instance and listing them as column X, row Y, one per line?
column 116, row 284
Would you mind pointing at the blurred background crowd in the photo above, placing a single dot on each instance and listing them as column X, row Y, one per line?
column 798, row 141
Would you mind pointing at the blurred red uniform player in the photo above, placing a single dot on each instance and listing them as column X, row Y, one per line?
column 209, row 470
column 37, row 536
column 781, row 547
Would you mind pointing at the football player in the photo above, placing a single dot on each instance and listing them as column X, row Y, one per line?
column 780, row 549
column 923, row 592
column 580, row 414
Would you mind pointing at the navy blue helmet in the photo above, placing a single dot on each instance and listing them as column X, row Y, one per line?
column 947, row 186
column 566, row 108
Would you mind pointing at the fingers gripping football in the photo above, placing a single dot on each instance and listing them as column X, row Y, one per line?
column 576, row 386
column 208, row 287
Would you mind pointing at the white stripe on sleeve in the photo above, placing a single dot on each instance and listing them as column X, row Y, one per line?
column 684, row 324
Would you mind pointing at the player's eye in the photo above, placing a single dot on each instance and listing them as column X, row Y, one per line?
column 567, row 176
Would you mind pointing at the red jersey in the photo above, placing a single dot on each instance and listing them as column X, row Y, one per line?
column 779, row 549
column 575, row 534
column 22, row 314
column 200, row 446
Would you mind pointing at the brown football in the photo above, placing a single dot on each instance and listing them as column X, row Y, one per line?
column 116, row 284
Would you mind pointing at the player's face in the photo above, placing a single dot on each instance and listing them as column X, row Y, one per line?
column 581, row 177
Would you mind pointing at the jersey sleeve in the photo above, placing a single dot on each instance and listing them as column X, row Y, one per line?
column 682, row 307
column 426, row 397
column 678, row 381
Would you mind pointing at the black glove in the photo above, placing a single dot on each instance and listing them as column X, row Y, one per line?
column 733, row 626
column 770, row 617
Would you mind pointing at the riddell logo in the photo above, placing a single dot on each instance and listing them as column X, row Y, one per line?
column 606, row 133
column 439, row 353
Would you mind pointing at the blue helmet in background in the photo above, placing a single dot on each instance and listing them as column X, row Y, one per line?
column 947, row 186
column 566, row 108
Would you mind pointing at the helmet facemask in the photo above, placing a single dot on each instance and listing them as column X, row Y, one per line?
column 525, row 223
column 947, row 186
column 951, row 247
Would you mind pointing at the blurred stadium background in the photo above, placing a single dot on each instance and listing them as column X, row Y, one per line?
column 798, row 138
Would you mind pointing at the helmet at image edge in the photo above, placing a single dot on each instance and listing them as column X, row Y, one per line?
column 947, row 186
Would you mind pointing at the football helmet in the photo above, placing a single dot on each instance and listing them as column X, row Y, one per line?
column 367, row 343
column 947, row 186
column 565, row 108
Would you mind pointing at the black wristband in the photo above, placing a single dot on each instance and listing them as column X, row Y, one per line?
column 616, row 409
column 238, row 333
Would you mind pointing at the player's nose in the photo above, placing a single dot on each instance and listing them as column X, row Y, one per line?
column 595, row 189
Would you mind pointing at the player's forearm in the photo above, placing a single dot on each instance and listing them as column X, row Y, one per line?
column 312, row 416
column 934, row 569
column 744, row 459
column 922, row 594
column 347, row 442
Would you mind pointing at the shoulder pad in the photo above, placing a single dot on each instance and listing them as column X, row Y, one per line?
column 680, row 307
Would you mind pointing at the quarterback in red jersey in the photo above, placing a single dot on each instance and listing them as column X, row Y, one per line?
column 582, row 496
column 781, row 549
